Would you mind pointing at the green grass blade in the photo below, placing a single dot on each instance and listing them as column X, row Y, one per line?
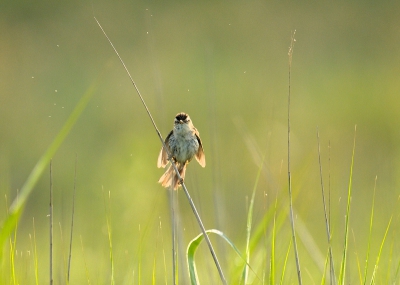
column 285, row 263
column 323, row 280
column 193, row 246
column 369, row 236
column 272, row 259
column 17, row 206
column 380, row 251
column 13, row 246
column 191, row 250
column 346, row 237
column 245, row 273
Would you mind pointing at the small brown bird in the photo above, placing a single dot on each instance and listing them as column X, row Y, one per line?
column 183, row 142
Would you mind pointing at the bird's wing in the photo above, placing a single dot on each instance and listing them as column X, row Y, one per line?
column 162, row 160
column 200, row 156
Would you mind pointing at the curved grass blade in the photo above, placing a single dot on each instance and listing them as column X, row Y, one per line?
column 194, row 244
column 285, row 262
column 346, row 237
column 296, row 252
column 17, row 206
column 249, row 224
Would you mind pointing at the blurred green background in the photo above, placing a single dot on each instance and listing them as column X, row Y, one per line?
column 226, row 64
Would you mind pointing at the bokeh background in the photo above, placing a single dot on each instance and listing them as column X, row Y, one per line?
column 226, row 64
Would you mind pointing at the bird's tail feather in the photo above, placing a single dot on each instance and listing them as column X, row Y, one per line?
column 169, row 178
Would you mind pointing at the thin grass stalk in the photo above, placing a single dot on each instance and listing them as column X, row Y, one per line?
column 51, row 221
column 65, row 266
column 203, row 230
column 250, row 221
column 273, row 239
column 12, row 262
column 171, row 195
column 370, row 234
column 265, row 259
column 296, row 253
column 332, row 265
column 346, row 236
column 327, row 226
column 72, row 221
column 380, row 252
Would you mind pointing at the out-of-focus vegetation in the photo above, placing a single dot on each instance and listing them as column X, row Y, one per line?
column 226, row 64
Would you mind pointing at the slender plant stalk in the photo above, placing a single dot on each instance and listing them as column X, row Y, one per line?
column 329, row 209
column 327, row 226
column 172, row 163
column 250, row 223
column 342, row 274
column 273, row 239
column 171, row 194
column 51, row 223
column 296, row 253
column 72, row 221
column 63, row 253
column 380, row 252
column 369, row 236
